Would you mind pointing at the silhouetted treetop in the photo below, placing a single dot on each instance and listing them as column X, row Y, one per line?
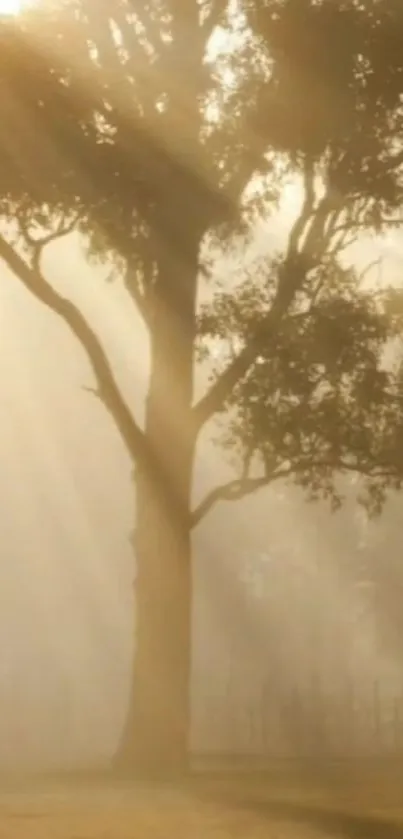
column 334, row 89
column 156, row 128
column 121, row 99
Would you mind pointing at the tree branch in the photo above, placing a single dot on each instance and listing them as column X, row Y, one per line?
column 107, row 387
column 234, row 491
column 238, row 489
column 363, row 274
column 38, row 244
column 214, row 400
column 307, row 209
column 132, row 286
column 219, row 392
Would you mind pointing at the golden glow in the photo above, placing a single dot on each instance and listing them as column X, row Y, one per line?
column 10, row 7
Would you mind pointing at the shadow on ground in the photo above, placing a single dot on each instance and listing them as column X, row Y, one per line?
column 336, row 805
column 332, row 822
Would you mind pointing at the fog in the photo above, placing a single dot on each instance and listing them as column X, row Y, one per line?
column 271, row 580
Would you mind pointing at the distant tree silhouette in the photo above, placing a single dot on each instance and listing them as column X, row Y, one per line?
column 119, row 119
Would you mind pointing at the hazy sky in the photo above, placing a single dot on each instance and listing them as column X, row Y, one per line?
column 66, row 500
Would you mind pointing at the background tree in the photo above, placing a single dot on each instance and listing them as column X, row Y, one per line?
column 129, row 122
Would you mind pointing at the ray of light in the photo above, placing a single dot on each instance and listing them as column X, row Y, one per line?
column 10, row 8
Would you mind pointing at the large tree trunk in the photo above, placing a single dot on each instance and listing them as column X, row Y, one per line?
column 155, row 737
column 156, row 732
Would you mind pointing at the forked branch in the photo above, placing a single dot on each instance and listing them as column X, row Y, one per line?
column 37, row 244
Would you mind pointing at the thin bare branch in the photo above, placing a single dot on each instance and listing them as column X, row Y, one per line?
column 238, row 489
column 107, row 387
column 235, row 491
column 38, row 244
column 363, row 274
column 356, row 226
column 231, row 491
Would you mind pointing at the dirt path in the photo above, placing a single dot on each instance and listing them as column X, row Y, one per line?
column 127, row 812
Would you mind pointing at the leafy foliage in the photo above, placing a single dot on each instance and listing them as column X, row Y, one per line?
column 335, row 89
column 322, row 395
column 104, row 95
column 156, row 143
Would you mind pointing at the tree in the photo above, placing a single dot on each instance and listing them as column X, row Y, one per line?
column 124, row 120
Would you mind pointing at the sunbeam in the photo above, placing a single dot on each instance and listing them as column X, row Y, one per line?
column 10, row 8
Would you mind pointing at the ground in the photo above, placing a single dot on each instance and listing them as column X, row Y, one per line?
column 274, row 806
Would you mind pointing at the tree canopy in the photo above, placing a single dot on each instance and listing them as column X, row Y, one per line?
column 147, row 125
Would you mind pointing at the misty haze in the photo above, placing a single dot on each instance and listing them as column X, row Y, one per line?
column 201, row 422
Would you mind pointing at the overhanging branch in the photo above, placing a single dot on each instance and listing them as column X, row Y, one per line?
column 107, row 387
column 240, row 488
column 234, row 491
column 37, row 245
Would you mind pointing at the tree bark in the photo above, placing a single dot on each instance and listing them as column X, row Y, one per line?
column 155, row 738
column 156, row 731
